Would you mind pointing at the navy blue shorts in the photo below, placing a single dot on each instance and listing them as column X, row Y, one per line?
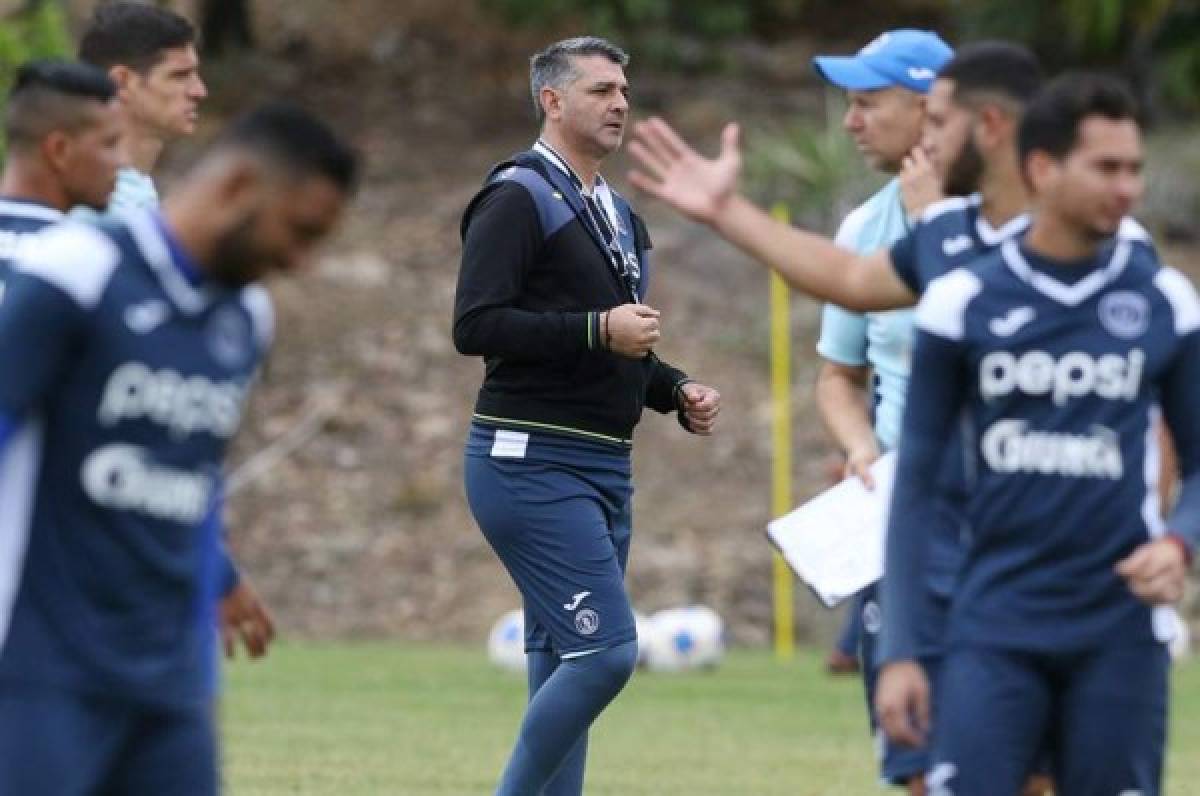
column 897, row 764
column 61, row 743
column 557, row 512
column 1102, row 713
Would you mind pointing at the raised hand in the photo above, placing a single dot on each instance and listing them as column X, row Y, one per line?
column 675, row 174
column 920, row 184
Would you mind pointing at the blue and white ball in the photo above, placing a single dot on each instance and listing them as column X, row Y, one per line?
column 506, row 641
column 681, row 639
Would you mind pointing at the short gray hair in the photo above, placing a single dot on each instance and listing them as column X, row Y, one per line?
column 553, row 66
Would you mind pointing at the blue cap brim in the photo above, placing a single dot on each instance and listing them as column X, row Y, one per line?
column 850, row 73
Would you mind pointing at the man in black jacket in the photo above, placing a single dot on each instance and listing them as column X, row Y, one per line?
column 554, row 274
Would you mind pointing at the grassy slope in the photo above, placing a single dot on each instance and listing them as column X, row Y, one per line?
column 385, row 718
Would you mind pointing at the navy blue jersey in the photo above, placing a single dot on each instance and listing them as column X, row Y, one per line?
column 950, row 233
column 131, row 382
column 1058, row 372
column 19, row 221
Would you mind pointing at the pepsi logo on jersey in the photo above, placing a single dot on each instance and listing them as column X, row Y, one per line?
column 183, row 404
column 1072, row 375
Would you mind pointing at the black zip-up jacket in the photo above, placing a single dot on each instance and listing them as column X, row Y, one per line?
column 535, row 277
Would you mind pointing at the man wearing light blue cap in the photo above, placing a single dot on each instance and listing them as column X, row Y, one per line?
column 886, row 83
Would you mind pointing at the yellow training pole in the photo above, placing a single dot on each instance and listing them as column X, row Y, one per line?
column 781, row 432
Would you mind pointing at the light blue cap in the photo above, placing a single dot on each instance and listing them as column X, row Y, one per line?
column 907, row 58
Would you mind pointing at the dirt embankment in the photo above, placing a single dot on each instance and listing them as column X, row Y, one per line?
column 364, row 531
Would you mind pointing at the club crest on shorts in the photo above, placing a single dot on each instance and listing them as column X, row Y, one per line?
column 872, row 617
column 587, row 621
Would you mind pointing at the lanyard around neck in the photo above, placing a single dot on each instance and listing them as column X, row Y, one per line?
column 596, row 216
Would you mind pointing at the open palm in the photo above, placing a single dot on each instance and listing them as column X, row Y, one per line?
column 675, row 174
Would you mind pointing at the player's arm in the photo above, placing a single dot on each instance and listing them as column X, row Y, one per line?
column 1157, row 570
column 39, row 322
column 242, row 617
column 706, row 190
column 933, row 400
column 842, row 389
column 502, row 239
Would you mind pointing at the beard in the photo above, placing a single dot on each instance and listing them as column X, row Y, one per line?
column 965, row 172
column 236, row 260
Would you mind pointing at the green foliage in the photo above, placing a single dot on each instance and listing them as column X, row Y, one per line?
column 39, row 30
column 1155, row 43
column 812, row 166
column 668, row 33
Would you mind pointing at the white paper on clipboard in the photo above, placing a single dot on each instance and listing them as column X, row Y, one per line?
column 834, row 542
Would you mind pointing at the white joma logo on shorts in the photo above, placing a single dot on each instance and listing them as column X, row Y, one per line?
column 576, row 599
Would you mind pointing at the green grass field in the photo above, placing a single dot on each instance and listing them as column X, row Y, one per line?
column 385, row 718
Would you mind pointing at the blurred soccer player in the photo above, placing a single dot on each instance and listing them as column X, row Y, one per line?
column 971, row 116
column 1058, row 351
column 127, row 350
column 969, row 134
column 63, row 132
column 886, row 84
column 555, row 271
column 150, row 53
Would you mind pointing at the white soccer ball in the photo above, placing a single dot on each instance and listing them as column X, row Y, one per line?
column 506, row 642
column 645, row 636
column 692, row 637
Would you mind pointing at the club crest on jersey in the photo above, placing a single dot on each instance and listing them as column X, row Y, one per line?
column 230, row 338
column 1124, row 314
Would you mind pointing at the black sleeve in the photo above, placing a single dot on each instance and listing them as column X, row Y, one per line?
column 502, row 238
column 664, row 380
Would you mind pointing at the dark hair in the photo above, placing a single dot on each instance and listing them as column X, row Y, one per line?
column 134, row 35
column 998, row 68
column 1051, row 122
column 52, row 95
column 553, row 67
column 292, row 137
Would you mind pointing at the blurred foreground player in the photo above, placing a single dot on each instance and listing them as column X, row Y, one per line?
column 1058, row 351
column 128, row 350
column 150, row 54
